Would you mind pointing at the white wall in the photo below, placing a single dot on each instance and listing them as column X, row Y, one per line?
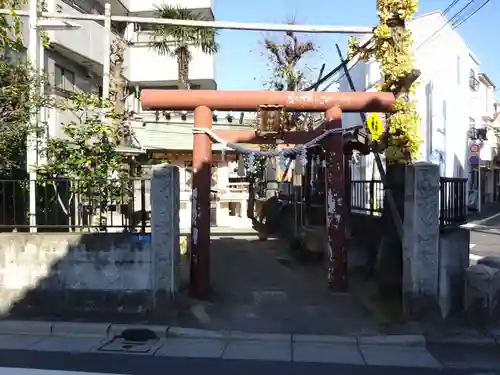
column 144, row 65
column 87, row 41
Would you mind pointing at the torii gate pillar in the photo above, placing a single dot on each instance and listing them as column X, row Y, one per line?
column 335, row 194
column 199, row 275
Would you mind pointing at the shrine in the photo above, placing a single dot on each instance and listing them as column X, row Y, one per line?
column 270, row 106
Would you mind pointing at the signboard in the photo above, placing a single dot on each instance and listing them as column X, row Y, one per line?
column 375, row 126
column 474, row 148
column 474, row 160
column 437, row 157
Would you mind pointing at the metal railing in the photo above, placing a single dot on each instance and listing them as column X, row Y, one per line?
column 64, row 205
column 367, row 196
column 452, row 201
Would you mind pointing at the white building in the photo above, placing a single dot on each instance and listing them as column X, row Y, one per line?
column 452, row 97
column 75, row 58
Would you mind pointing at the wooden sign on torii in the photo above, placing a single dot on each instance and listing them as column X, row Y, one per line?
column 203, row 102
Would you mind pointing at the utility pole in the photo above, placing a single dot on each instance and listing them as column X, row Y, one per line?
column 31, row 141
column 107, row 52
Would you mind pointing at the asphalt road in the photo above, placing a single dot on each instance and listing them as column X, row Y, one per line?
column 25, row 361
column 485, row 241
column 485, row 234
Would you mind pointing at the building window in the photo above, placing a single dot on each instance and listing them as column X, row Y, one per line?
column 64, row 79
column 473, row 81
column 458, row 70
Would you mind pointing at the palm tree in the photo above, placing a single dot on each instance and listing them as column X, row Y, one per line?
column 176, row 41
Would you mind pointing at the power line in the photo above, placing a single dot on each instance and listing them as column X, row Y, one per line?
column 453, row 20
column 470, row 15
column 446, row 23
column 334, row 71
column 449, row 7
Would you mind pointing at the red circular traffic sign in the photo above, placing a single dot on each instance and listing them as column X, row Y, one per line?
column 474, row 147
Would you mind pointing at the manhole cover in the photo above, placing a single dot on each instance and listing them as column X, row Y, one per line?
column 119, row 344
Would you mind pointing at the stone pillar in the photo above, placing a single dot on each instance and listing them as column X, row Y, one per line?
column 421, row 240
column 165, row 247
column 272, row 184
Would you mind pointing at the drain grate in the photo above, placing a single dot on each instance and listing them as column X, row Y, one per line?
column 140, row 341
column 119, row 344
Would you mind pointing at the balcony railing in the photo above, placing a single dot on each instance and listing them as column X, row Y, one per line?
column 473, row 83
column 85, row 41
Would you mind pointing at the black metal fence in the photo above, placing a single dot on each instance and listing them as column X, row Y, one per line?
column 367, row 197
column 64, row 205
column 452, row 201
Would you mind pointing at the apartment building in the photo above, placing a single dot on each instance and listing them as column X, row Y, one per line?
column 453, row 99
column 74, row 61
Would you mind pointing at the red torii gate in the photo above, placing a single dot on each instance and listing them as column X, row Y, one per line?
column 203, row 102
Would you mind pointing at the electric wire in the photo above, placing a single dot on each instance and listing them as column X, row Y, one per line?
column 455, row 26
column 448, row 22
column 449, row 7
column 455, row 18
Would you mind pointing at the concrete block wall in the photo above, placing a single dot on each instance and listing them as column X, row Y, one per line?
column 44, row 272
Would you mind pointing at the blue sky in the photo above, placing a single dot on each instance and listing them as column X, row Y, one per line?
column 240, row 64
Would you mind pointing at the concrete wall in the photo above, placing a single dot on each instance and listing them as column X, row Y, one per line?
column 58, row 272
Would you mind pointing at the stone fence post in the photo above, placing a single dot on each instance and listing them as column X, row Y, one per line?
column 421, row 240
column 165, row 233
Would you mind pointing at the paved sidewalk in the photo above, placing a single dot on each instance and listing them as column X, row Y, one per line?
column 390, row 350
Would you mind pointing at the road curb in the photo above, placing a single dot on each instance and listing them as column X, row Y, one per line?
column 105, row 330
column 197, row 333
column 21, row 327
column 463, row 341
column 80, row 329
column 399, row 340
column 326, row 339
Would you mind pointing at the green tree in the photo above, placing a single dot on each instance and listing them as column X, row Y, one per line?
column 288, row 69
column 177, row 41
column 286, row 62
column 86, row 157
column 17, row 103
column 87, row 151
column 17, row 82
column 391, row 47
